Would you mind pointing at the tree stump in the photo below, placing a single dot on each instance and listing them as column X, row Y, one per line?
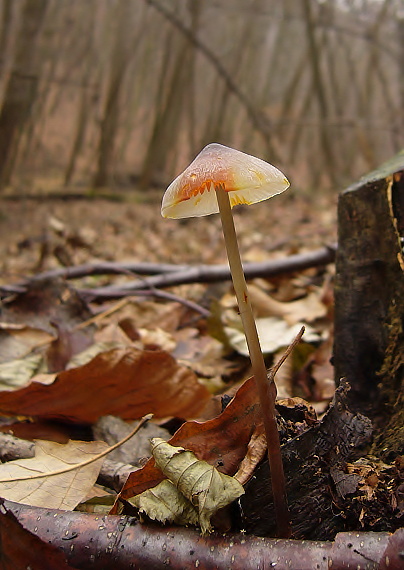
column 369, row 301
column 333, row 484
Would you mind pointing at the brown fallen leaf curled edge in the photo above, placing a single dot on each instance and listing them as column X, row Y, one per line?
column 129, row 384
column 222, row 441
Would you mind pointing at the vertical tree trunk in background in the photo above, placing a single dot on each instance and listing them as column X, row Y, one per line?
column 111, row 113
column 22, row 86
column 319, row 89
column 91, row 74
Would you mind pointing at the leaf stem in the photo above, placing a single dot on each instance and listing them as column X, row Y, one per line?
column 266, row 388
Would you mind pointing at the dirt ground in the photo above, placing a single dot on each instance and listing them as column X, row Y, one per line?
column 42, row 233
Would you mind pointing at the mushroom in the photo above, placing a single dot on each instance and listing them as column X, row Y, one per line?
column 218, row 179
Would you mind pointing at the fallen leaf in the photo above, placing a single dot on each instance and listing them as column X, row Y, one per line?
column 18, row 373
column 18, row 340
column 68, row 343
column 307, row 309
column 274, row 334
column 46, row 302
column 164, row 503
column 221, row 441
column 200, row 483
column 112, row 429
column 127, row 382
column 256, row 451
column 156, row 337
column 22, row 549
column 63, row 491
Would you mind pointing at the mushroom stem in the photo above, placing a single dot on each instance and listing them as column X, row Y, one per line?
column 266, row 389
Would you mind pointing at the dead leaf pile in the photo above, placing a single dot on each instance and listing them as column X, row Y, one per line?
column 66, row 366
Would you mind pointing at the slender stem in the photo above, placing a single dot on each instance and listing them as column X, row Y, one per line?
column 266, row 389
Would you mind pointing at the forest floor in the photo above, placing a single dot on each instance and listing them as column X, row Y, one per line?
column 78, row 364
column 38, row 234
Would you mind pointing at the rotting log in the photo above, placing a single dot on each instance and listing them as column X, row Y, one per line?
column 369, row 301
column 121, row 542
column 309, row 460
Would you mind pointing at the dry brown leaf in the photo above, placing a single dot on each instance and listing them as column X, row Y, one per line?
column 256, row 451
column 222, row 441
column 127, row 382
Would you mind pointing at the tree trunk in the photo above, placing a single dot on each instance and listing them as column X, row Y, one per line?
column 22, row 87
column 111, row 113
column 369, row 302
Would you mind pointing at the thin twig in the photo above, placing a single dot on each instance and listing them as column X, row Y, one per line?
column 293, row 344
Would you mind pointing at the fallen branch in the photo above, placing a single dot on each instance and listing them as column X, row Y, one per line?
column 122, row 543
column 167, row 274
column 215, row 273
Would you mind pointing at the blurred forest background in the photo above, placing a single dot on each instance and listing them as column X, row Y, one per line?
column 116, row 93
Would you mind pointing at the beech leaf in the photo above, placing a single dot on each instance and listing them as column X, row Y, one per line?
column 63, row 491
column 200, row 483
column 164, row 503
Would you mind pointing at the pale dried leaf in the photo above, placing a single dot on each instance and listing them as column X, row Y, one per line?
column 307, row 309
column 18, row 340
column 273, row 333
column 156, row 336
column 17, row 373
column 203, row 485
column 165, row 503
column 64, row 491
column 89, row 353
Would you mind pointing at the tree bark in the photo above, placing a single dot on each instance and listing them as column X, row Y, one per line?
column 120, row 542
column 369, row 289
column 22, row 87
column 309, row 461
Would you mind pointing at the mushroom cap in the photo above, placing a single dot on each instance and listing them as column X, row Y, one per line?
column 246, row 178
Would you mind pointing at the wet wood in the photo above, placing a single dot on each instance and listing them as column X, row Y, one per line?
column 120, row 542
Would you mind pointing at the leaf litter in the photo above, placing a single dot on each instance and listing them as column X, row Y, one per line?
column 128, row 359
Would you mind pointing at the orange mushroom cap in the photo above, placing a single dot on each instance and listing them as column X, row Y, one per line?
column 246, row 178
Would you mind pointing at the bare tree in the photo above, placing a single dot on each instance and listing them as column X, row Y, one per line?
column 21, row 90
